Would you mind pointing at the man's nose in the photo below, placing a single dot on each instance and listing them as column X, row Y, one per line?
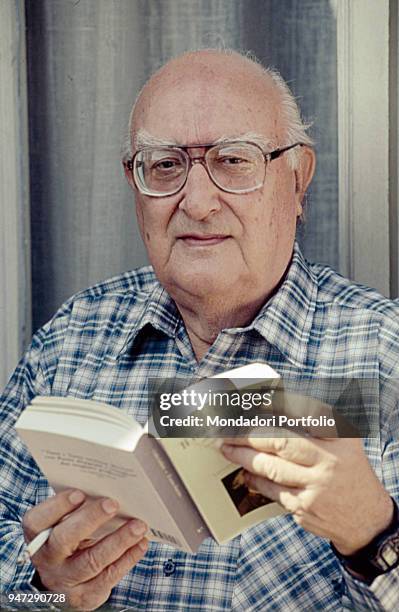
column 200, row 194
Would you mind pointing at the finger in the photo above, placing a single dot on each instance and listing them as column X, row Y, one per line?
column 79, row 525
column 92, row 561
column 97, row 590
column 293, row 500
column 269, row 466
column 288, row 497
column 115, row 572
column 51, row 511
column 298, row 449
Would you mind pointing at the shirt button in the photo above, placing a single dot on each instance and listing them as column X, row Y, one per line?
column 169, row 567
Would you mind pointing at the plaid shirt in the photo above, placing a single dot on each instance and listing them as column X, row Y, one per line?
column 105, row 342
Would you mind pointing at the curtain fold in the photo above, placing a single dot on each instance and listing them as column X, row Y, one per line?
column 15, row 303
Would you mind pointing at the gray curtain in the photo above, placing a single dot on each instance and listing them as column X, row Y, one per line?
column 88, row 59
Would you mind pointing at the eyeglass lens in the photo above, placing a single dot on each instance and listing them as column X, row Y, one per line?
column 233, row 167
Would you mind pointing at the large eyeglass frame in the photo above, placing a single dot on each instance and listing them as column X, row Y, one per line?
column 202, row 159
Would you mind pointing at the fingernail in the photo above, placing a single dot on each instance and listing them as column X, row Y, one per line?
column 109, row 506
column 138, row 527
column 76, row 497
column 226, row 449
column 143, row 544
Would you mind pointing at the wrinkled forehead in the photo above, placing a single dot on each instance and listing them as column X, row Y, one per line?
column 203, row 103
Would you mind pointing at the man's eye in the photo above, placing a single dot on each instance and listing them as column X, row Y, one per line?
column 232, row 160
column 166, row 164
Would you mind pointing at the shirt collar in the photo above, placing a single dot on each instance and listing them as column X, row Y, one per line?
column 157, row 310
column 285, row 321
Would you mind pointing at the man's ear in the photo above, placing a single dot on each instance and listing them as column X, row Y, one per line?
column 304, row 174
column 129, row 175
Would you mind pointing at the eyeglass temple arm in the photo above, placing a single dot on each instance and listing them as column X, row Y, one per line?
column 275, row 154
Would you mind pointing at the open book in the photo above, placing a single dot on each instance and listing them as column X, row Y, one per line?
column 183, row 488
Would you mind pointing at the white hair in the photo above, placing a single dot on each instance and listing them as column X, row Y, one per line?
column 295, row 129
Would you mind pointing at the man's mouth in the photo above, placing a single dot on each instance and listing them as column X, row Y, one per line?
column 203, row 240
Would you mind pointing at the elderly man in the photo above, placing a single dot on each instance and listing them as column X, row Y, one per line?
column 219, row 163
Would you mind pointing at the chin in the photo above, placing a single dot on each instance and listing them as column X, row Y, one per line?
column 200, row 284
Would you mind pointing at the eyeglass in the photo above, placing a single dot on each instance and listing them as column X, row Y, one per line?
column 234, row 167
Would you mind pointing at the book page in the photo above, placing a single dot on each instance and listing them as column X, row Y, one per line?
column 217, row 487
column 85, row 419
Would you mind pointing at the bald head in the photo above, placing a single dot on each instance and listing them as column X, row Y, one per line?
column 205, row 74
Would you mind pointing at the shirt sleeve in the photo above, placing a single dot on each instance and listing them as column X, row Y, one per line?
column 383, row 593
column 22, row 485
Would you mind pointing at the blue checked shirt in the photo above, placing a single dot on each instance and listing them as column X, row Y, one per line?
column 105, row 342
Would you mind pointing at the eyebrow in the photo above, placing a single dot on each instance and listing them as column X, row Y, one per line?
column 144, row 139
column 262, row 142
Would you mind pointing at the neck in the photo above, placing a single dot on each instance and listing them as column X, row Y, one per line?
column 205, row 321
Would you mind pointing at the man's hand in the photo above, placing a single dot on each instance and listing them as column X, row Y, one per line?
column 327, row 484
column 85, row 576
